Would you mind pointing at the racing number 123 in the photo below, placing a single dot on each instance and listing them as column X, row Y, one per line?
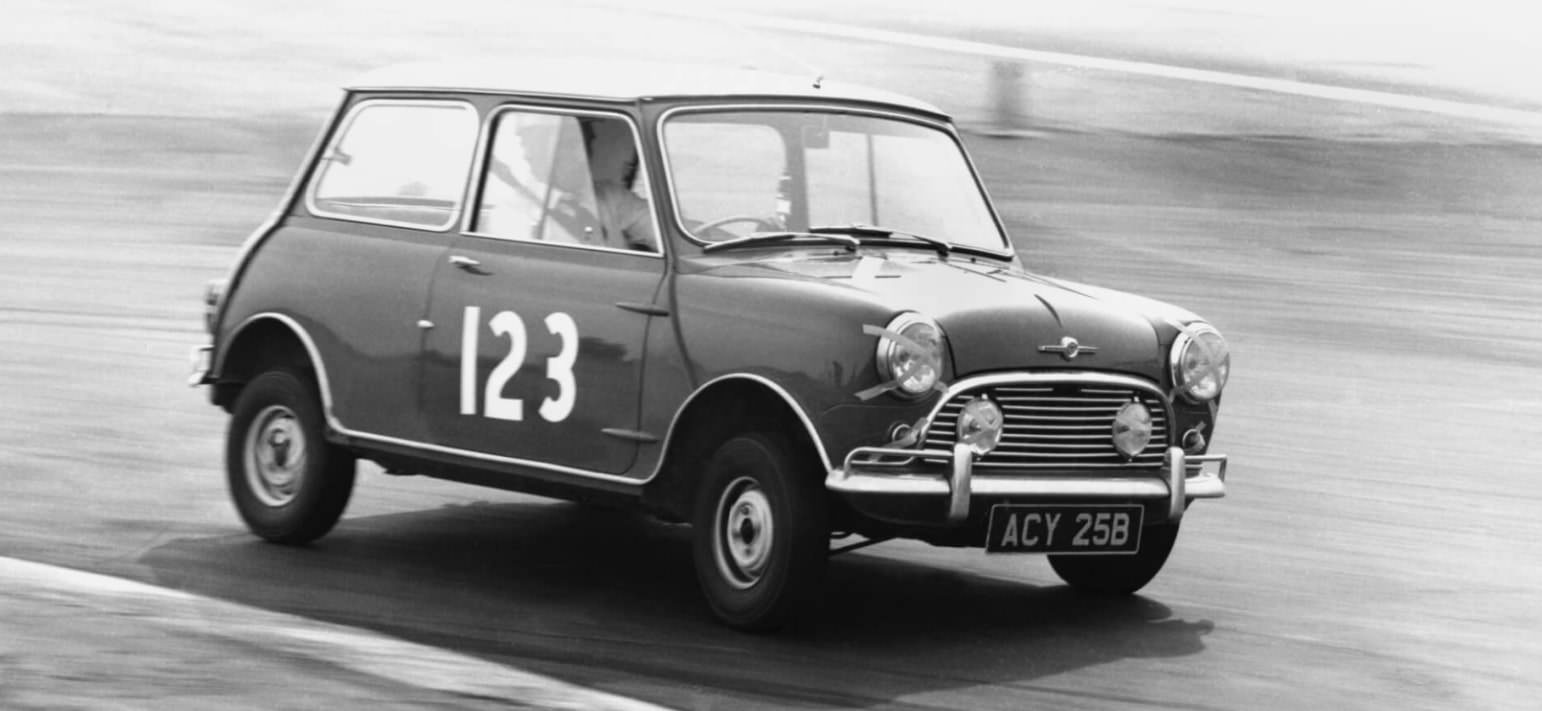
column 559, row 368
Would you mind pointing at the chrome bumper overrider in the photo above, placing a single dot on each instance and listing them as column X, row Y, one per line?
column 861, row 476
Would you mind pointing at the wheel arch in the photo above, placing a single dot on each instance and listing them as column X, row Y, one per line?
column 265, row 339
column 726, row 404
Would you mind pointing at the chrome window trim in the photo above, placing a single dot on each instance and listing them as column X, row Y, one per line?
column 323, row 384
column 946, row 127
column 453, row 89
column 477, row 184
column 317, row 169
column 1059, row 377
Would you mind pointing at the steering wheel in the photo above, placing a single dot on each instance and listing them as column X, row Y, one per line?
column 762, row 224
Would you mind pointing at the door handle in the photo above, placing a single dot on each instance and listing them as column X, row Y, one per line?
column 465, row 263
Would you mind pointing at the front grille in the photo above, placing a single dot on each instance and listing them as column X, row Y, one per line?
column 1059, row 426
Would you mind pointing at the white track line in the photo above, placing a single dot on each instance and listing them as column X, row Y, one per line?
column 1442, row 107
column 365, row 652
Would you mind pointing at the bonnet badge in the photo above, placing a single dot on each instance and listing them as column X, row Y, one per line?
column 1069, row 348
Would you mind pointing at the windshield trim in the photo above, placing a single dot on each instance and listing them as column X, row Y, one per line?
column 945, row 127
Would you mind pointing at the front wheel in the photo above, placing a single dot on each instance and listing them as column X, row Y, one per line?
column 761, row 539
column 288, row 483
column 1118, row 574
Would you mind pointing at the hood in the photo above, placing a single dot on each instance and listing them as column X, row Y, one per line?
column 995, row 315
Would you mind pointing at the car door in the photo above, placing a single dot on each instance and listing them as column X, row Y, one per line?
column 540, row 317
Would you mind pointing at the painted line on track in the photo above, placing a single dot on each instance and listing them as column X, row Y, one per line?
column 1444, row 107
column 377, row 655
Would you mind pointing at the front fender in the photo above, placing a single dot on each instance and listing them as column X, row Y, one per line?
column 804, row 336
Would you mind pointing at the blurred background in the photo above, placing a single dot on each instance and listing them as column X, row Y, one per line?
column 1346, row 189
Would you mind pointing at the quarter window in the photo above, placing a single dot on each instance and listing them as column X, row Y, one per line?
column 398, row 163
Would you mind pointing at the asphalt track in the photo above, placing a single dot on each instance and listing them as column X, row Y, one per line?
column 1377, row 548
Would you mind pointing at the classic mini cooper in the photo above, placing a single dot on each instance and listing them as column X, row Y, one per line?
column 779, row 309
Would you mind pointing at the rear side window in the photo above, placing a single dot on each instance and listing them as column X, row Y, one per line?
column 398, row 163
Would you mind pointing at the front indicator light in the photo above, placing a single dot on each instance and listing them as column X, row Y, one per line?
column 979, row 425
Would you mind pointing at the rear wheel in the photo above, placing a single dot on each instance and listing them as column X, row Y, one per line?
column 1118, row 574
column 288, row 483
column 761, row 538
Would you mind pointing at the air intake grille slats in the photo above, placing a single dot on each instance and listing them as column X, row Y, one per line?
column 1063, row 426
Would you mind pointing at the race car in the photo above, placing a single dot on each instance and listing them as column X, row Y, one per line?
column 780, row 309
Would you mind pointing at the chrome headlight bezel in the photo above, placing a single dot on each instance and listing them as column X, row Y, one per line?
column 894, row 358
column 1200, row 339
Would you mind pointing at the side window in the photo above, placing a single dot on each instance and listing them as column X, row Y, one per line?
column 398, row 163
column 565, row 179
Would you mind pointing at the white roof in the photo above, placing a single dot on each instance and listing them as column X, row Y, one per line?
column 622, row 81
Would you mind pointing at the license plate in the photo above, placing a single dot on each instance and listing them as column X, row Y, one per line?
column 1064, row 529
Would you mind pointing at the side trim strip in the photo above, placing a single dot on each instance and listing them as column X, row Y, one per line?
column 483, row 456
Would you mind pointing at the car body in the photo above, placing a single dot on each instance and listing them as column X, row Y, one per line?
column 450, row 288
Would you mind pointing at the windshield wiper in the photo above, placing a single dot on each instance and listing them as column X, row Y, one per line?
column 943, row 247
column 852, row 243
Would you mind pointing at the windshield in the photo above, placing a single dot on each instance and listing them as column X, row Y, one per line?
column 738, row 173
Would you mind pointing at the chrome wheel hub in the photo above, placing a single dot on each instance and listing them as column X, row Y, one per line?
column 743, row 534
column 275, row 455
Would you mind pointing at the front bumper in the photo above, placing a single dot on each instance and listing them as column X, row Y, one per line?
column 869, row 485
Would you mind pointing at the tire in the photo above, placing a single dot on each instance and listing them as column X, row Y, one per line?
column 761, row 538
column 288, row 483
column 1118, row 574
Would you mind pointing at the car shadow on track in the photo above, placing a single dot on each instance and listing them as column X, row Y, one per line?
column 594, row 595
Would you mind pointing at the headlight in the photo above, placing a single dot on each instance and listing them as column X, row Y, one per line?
column 914, row 361
column 1201, row 362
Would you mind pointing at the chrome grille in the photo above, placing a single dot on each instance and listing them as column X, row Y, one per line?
column 1056, row 426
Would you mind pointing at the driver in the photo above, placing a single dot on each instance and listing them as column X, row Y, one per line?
column 626, row 220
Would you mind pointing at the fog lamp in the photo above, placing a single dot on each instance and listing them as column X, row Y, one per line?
column 979, row 425
column 1132, row 429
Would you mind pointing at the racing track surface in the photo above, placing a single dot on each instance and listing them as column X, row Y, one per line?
column 1377, row 548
